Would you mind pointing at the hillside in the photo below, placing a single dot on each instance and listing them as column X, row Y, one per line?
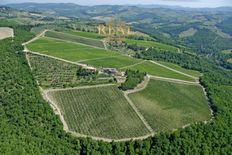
column 65, row 89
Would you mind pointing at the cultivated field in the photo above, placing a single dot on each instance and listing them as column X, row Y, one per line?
column 6, row 32
column 90, row 35
column 156, row 70
column 153, row 44
column 68, row 50
column 167, row 106
column 100, row 112
column 54, row 73
column 75, row 38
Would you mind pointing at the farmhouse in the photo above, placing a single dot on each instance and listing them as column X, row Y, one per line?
column 6, row 32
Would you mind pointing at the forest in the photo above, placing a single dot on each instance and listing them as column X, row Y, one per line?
column 29, row 126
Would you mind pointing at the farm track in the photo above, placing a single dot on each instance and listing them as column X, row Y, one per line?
column 174, row 80
column 133, row 64
column 35, row 38
column 60, row 59
column 98, row 58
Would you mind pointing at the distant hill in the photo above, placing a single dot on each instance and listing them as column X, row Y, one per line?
column 173, row 25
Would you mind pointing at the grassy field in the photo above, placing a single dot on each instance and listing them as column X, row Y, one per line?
column 90, row 35
column 67, row 50
column 101, row 112
column 152, row 44
column 54, row 73
column 75, row 38
column 155, row 70
column 178, row 68
column 168, row 106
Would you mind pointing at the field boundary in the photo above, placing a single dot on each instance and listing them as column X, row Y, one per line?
column 142, row 86
column 60, row 59
column 173, row 80
column 138, row 63
column 98, row 58
column 36, row 37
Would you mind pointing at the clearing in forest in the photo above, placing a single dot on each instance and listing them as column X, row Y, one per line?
column 98, row 111
column 6, row 32
column 168, row 105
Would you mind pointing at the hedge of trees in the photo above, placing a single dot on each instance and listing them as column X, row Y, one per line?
column 29, row 126
column 133, row 78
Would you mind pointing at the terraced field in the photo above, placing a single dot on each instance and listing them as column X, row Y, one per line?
column 100, row 112
column 54, row 73
column 167, row 106
column 153, row 44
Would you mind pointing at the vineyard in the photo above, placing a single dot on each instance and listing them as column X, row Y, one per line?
column 100, row 112
column 167, row 106
column 75, row 38
column 54, row 73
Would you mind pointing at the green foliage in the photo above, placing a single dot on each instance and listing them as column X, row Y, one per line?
column 82, row 72
column 133, row 78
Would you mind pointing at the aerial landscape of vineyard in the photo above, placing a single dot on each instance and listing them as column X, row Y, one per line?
column 68, row 87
